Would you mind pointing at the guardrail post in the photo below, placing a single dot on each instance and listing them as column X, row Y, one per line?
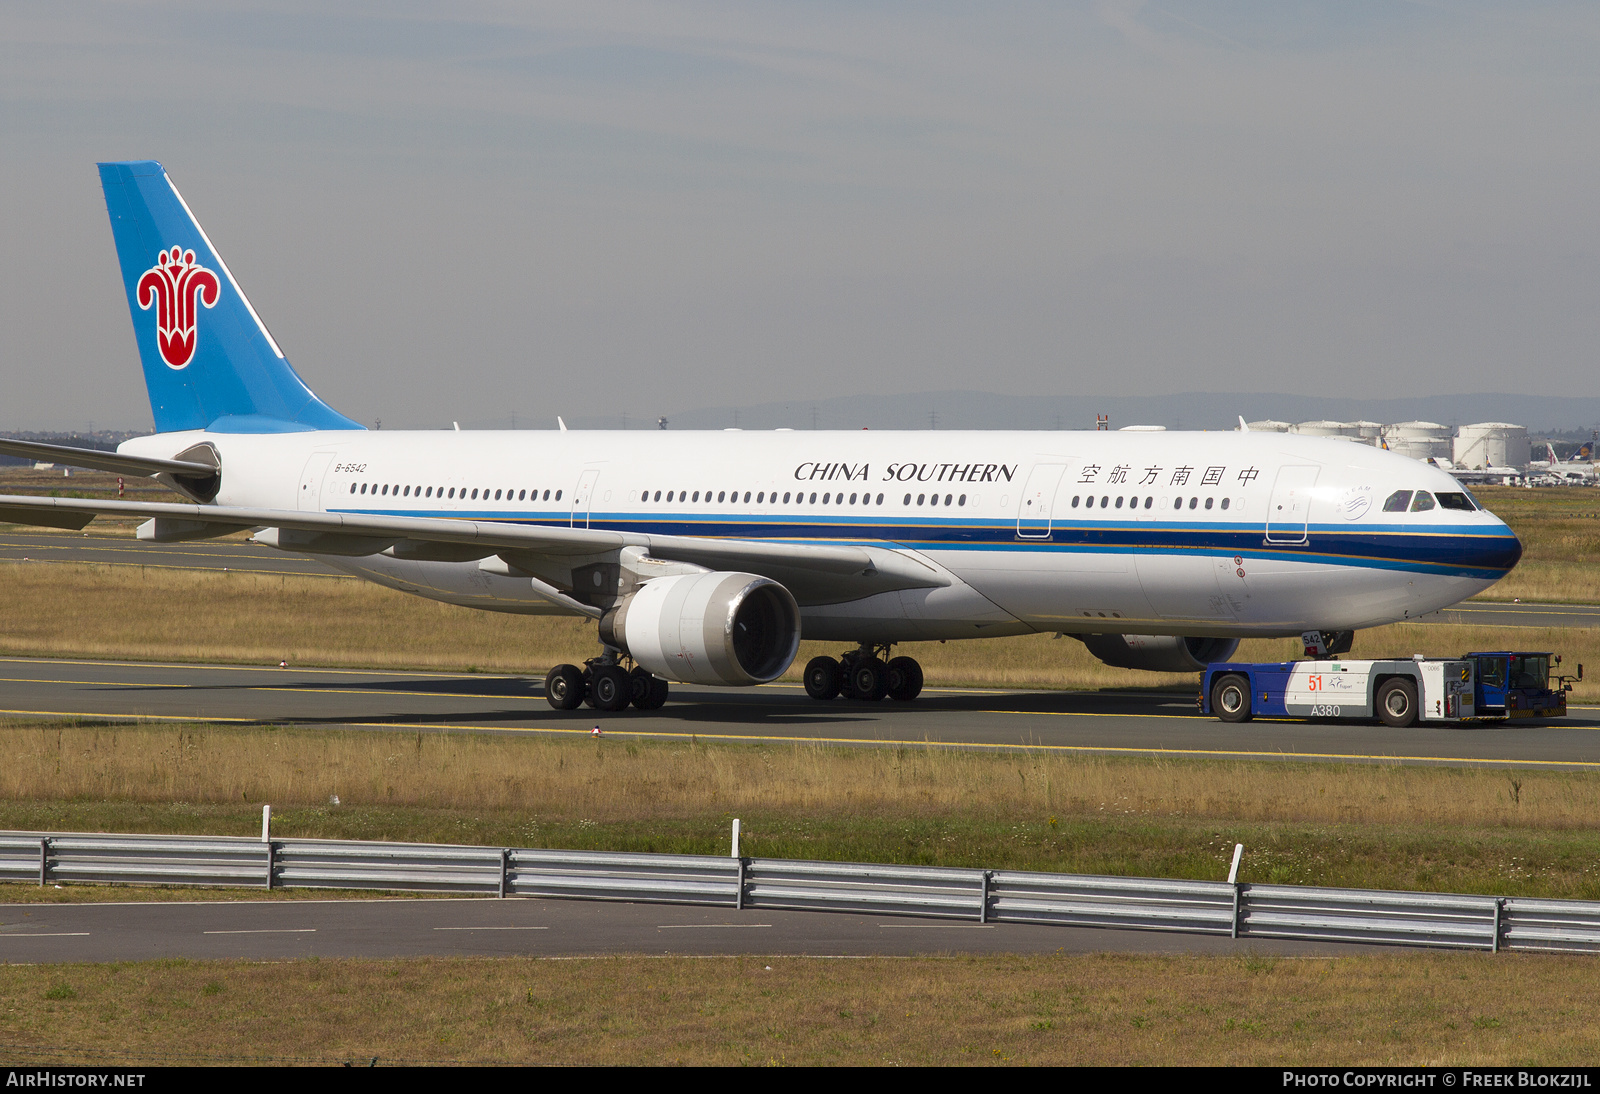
column 1499, row 914
column 44, row 861
column 983, row 898
column 272, row 864
column 738, row 899
column 505, row 870
column 1238, row 908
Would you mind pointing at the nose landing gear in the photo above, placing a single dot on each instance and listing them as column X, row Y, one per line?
column 864, row 676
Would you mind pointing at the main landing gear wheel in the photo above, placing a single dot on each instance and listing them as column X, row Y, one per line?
column 822, row 678
column 646, row 691
column 1397, row 703
column 905, row 679
column 609, row 688
column 564, row 687
column 1230, row 699
column 866, row 680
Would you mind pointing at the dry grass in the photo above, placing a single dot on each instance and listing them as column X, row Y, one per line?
column 1412, row 1009
column 643, row 780
column 1389, row 827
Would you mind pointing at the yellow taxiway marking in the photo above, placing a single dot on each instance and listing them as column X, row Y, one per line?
column 253, row 668
column 152, row 684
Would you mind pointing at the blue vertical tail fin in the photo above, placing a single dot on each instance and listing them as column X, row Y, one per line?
column 209, row 362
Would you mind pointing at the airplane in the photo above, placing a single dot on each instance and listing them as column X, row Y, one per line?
column 1581, row 471
column 705, row 557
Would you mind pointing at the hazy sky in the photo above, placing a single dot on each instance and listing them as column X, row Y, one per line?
column 457, row 212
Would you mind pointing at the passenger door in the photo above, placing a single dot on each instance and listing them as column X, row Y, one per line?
column 1036, row 509
column 1289, row 511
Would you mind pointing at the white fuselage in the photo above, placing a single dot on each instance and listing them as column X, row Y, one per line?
column 1225, row 534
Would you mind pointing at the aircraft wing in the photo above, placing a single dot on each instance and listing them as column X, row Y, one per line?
column 814, row 573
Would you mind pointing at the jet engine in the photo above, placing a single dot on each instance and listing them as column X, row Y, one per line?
column 1159, row 652
column 726, row 629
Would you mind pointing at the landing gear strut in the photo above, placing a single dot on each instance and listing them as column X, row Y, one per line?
column 863, row 675
column 604, row 685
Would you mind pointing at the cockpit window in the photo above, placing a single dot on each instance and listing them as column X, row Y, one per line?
column 1455, row 501
column 1422, row 502
column 1397, row 502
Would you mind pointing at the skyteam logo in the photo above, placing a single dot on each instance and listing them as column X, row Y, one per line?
column 175, row 286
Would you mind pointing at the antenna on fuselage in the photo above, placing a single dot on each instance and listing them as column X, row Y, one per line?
column 561, row 423
column 1244, row 427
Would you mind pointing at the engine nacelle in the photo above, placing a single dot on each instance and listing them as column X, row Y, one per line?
column 1159, row 652
column 726, row 629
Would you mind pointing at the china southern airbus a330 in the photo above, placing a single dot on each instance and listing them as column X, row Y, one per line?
column 707, row 557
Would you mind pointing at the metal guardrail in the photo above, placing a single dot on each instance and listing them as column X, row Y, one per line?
column 1239, row 910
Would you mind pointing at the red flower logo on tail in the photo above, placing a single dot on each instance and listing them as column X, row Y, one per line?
column 173, row 286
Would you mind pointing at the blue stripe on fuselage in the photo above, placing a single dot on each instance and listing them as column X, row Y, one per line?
column 1452, row 550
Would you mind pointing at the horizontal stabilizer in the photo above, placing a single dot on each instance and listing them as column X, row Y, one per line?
column 96, row 459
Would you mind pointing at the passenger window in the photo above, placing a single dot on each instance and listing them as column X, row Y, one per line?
column 921, row 498
column 522, row 495
column 747, row 497
column 761, row 497
column 962, row 500
column 657, row 497
column 558, row 494
column 1422, row 502
column 934, row 500
column 1208, row 502
column 1397, row 501
column 908, row 499
column 1193, row 502
column 352, row 488
column 1225, row 502
column 1074, row 501
column 852, row 499
column 497, row 495
column 1148, row 502
column 1119, row 502
column 880, row 499
column 813, row 497
column 720, row 495
column 1177, row 503
column 696, row 496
